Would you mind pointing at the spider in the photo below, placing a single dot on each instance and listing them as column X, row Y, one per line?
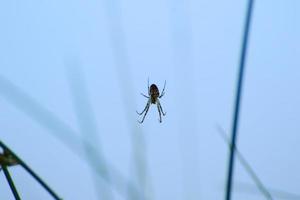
column 153, row 98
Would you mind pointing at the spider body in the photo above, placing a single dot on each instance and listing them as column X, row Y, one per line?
column 154, row 93
column 153, row 98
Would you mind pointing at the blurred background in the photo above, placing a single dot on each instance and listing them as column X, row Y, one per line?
column 71, row 74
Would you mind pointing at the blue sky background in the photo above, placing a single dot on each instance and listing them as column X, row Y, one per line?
column 86, row 62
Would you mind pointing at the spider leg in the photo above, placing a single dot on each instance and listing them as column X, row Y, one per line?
column 145, row 95
column 158, row 103
column 146, row 109
column 148, row 87
column 163, row 91
column 164, row 113
column 147, row 105
column 159, row 112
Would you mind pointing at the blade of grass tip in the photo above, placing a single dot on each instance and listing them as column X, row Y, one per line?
column 11, row 183
column 113, row 10
column 29, row 106
column 30, row 171
column 88, row 125
column 264, row 191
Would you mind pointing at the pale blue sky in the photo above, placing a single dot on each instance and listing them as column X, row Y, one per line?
column 116, row 45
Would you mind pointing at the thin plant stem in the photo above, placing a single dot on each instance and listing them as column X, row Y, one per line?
column 246, row 166
column 235, row 120
column 31, row 172
column 11, row 183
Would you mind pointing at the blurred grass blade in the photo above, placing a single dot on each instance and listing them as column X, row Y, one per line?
column 28, row 105
column 183, row 55
column 278, row 194
column 88, row 126
column 246, row 165
column 117, row 39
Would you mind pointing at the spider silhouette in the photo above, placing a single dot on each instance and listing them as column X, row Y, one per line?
column 153, row 98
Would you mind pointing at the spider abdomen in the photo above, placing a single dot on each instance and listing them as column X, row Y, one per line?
column 154, row 93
